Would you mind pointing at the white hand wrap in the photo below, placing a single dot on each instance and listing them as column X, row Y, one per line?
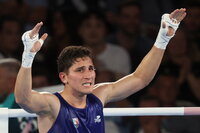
column 162, row 38
column 28, row 56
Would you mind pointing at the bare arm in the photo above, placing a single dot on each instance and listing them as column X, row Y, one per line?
column 28, row 99
column 134, row 82
column 145, row 71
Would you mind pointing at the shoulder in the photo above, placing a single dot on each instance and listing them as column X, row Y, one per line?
column 49, row 96
column 101, row 90
column 52, row 101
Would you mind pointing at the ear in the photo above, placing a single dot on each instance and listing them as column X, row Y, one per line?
column 63, row 77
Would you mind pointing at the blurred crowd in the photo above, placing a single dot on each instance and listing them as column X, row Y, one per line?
column 120, row 33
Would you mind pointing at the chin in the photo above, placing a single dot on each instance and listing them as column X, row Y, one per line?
column 88, row 90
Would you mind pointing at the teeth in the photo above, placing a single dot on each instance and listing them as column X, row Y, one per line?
column 86, row 84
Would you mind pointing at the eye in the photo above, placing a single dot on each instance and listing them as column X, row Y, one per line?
column 80, row 69
column 92, row 68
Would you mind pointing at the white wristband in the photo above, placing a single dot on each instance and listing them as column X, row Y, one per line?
column 27, row 59
column 28, row 56
column 162, row 39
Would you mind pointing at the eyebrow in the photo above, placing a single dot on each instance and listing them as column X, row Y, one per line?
column 82, row 67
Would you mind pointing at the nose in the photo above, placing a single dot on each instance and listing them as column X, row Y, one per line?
column 89, row 74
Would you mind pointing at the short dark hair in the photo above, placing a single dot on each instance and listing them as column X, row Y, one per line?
column 69, row 55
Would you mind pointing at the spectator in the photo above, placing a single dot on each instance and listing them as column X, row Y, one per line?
column 58, row 39
column 129, row 34
column 92, row 31
column 150, row 124
column 192, row 27
column 9, row 68
column 167, row 92
column 188, row 71
column 8, row 72
column 37, row 10
column 10, row 36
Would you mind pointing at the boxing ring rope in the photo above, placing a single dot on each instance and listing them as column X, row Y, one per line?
column 159, row 111
column 6, row 113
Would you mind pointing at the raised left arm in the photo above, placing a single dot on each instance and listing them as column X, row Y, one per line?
column 148, row 67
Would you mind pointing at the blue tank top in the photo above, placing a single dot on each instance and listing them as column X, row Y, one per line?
column 75, row 120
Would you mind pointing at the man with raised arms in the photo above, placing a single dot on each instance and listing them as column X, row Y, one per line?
column 79, row 107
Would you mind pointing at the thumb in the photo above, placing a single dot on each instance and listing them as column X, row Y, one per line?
column 38, row 44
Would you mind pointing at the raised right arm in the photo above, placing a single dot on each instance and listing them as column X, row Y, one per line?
column 31, row 101
column 28, row 99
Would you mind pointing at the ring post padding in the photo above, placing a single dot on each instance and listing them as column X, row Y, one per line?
column 4, row 120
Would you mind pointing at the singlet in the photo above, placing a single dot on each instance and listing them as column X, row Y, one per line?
column 75, row 120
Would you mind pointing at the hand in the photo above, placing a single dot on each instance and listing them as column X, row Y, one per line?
column 176, row 16
column 169, row 25
column 32, row 44
column 37, row 45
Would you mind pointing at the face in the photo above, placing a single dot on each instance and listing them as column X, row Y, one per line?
column 80, row 77
column 129, row 19
column 92, row 31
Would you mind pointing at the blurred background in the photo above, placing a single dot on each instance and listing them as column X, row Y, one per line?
column 120, row 33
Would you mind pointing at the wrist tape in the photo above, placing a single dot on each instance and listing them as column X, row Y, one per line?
column 28, row 56
column 162, row 38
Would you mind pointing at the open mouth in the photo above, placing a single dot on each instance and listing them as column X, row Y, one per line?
column 87, row 84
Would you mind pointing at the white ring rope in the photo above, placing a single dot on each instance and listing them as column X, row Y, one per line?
column 159, row 111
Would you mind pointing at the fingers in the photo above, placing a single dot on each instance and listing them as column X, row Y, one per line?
column 38, row 44
column 178, row 15
column 181, row 14
column 35, row 30
column 44, row 36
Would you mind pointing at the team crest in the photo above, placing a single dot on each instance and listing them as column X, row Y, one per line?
column 75, row 122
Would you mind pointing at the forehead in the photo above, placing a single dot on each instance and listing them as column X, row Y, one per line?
column 84, row 61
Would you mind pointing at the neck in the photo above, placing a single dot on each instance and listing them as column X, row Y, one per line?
column 74, row 98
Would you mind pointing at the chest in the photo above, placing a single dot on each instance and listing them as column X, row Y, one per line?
column 90, row 117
